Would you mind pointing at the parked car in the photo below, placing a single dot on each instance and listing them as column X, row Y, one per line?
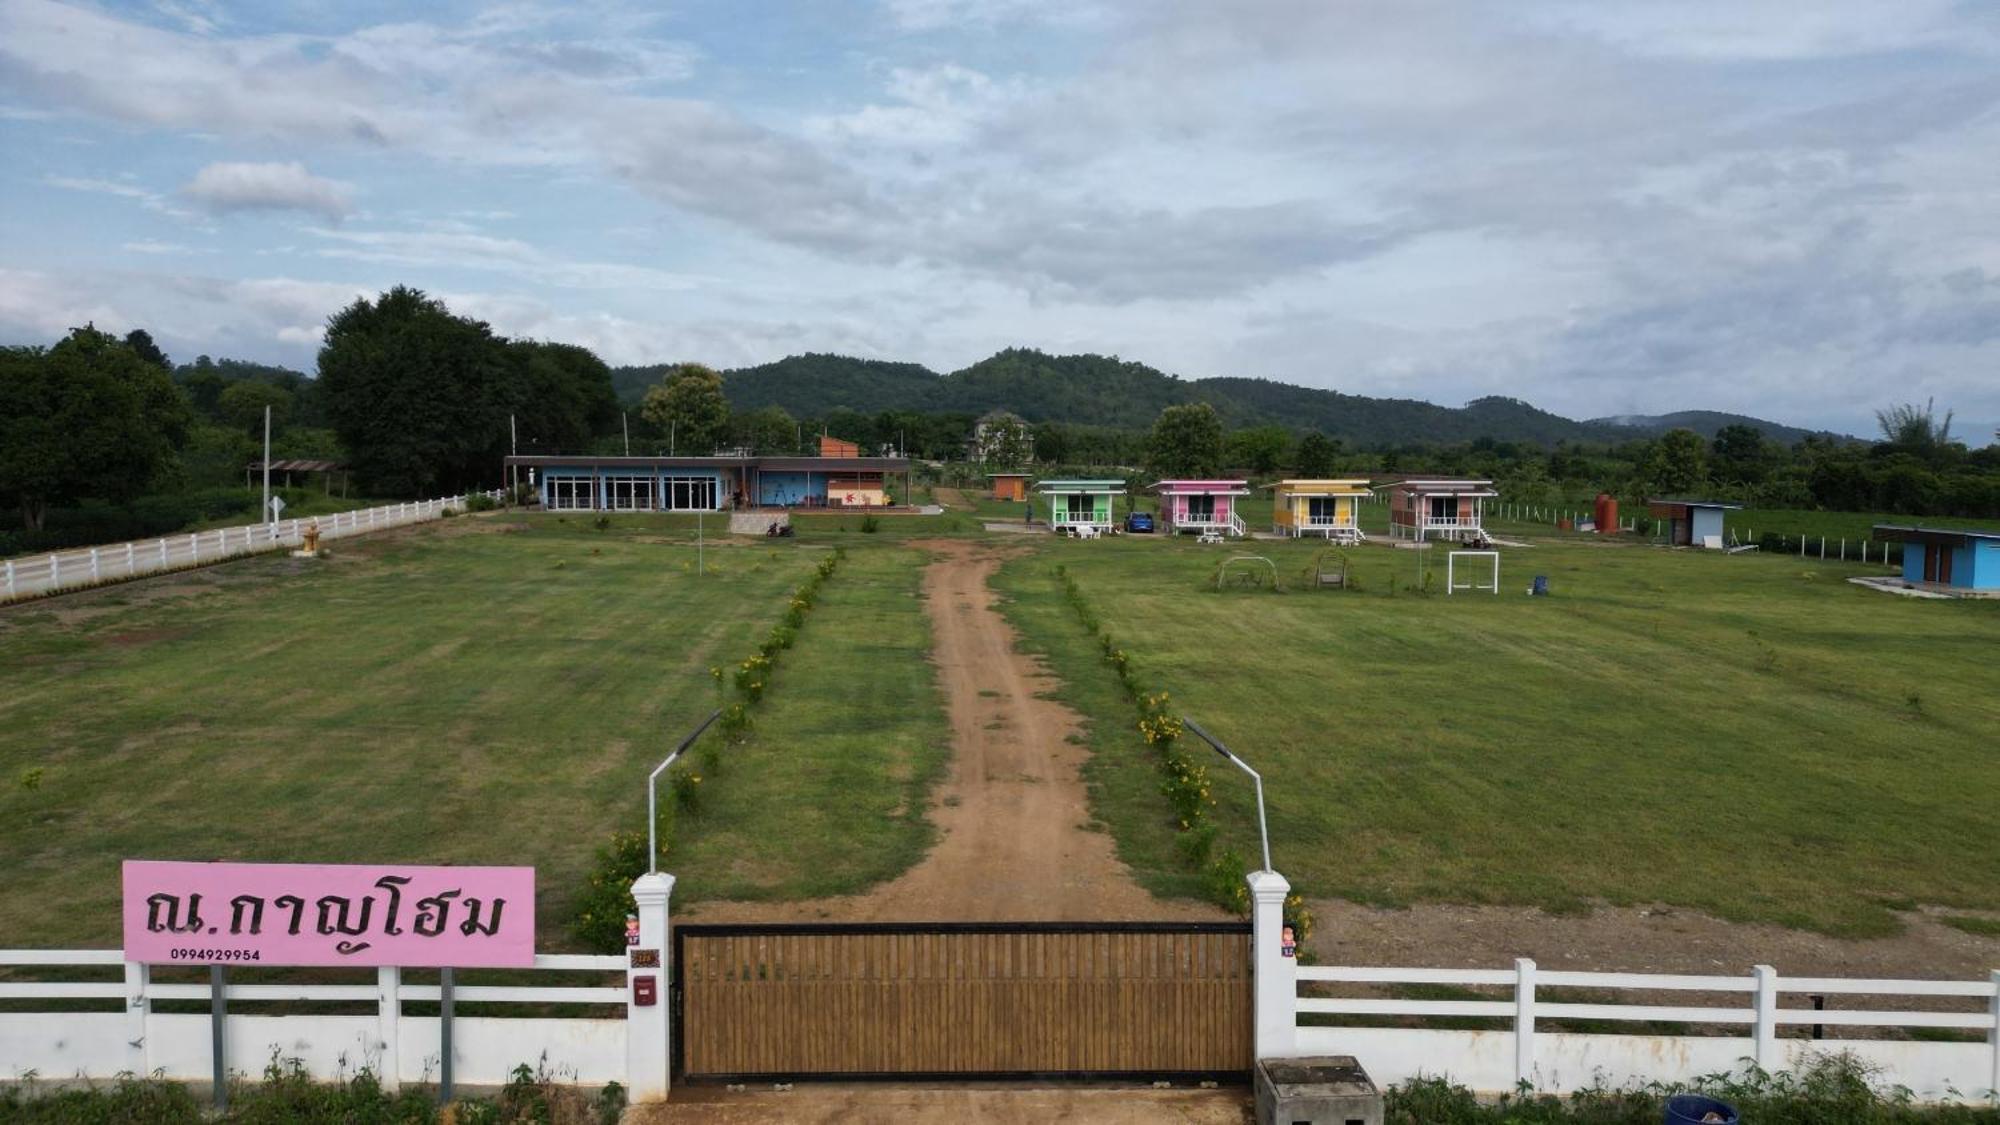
column 1139, row 522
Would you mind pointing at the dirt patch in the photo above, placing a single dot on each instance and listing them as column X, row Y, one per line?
column 811, row 1104
column 951, row 498
column 1637, row 939
column 1012, row 810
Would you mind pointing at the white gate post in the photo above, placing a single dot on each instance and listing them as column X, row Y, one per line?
column 1993, row 1037
column 138, row 1011
column 1276, row 980
column 130, row 567
column 648, row 1048
column 1766, row 1028
column 388, row 1024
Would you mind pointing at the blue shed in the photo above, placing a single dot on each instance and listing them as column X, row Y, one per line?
column 1950, row 557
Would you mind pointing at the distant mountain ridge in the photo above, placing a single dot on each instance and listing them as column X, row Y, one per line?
column 1708, row 423
column 1096, row 390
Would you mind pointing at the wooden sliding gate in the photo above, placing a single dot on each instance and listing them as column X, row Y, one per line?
column 962, row 1000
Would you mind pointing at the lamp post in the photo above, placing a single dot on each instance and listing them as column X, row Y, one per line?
column 1263, row 830
column 653, row 795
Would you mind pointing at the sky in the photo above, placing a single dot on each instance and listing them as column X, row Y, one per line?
column 1786, row 210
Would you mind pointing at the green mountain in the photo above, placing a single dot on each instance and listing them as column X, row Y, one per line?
column 1708, row 422
column 1095, row 390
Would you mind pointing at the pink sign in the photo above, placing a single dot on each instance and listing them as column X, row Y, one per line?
column 324, row 914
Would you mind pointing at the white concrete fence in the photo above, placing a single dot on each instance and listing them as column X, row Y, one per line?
column 1556, row 1061
column 34, row 575
column 627, row 1045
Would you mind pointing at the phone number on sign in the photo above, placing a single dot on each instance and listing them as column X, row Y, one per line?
column 216, row 955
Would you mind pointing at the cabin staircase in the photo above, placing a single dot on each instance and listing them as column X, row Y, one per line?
column 1236, row 525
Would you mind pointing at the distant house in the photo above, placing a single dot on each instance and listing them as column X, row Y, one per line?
column 1318, row 507
column 1009, row 486
column 1081, row 503
column 995, row 430
column 1692, row 523
column 834, row 447
column 1947, row 557
column 1452, row 508
column 1203, row 506
column 707, row 484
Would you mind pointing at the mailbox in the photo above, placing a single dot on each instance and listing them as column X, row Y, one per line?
column 645, row 991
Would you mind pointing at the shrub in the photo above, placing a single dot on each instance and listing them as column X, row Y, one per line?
column 607, row 893
column 480, row 502
column 870, row 525
column 686, row 788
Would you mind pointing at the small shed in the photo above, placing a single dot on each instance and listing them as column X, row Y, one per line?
column 1428, row 507
column 1009, row 486
column 1692, row 523
column 1318, row 507
column 1949, row 558
column 1203, row 506
column 1081, row 503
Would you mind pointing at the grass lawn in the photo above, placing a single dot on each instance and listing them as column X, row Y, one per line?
column 828, row 795
column 433, row 696
column 1749, row 735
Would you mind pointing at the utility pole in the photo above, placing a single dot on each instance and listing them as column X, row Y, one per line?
column 513, row 448
column 625, row 423
column 267, row 463
column 672, row 425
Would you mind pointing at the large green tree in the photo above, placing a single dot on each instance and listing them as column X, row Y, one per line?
column 241, row 406
column 1186, row 442
column 87, row 418
column 768, row 429
column 1314, row 457
column 1679, row 462
column 1260, row 449
column 418, row 397
column 688, row 404
column 560, row 395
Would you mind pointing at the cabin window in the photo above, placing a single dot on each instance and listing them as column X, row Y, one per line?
column 1076, row 506
column 1200, row 509
column 1444, row 507
column 1322, row 509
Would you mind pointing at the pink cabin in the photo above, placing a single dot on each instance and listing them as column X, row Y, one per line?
column 1204, row 506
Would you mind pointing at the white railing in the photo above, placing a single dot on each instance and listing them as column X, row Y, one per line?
column 35, row 575
column 1079, row 519
column 1236, row 525
column 130, row 1036
column 1745, row 1013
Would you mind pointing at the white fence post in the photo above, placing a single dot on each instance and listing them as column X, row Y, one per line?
column 1993, row 1037
column 93, row 564
column 388, row 1024
column 10, row 578
column 1765, row 1052
column 131, row 565
column 1524, row 1021
column 1275, row 975
column 138, row 1010
column 648, row 1045
column 55, row 571
column 163, row 552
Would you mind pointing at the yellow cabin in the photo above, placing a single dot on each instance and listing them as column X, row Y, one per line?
column 1318, row 507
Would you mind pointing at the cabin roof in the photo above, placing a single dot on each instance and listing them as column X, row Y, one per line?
column 1204, row 487
column 1080, row 486
column 1943, row 536
column 1336, row 486
column 1677, row 502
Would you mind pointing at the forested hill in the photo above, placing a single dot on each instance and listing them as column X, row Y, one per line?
column 1094, row 390
column 1707, row 423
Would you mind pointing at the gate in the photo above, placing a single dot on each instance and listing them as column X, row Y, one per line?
column 963, row 1000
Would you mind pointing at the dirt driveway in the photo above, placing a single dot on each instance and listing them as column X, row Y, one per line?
column 1012, row 811
column 951, row 1105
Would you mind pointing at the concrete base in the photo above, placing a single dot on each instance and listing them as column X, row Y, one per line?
column 1321, row 1090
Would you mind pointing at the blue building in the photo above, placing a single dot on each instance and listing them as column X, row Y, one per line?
column 1947, row 556
column 1692, row 523
column 710, row 484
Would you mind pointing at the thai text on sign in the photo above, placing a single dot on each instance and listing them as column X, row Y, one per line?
column 329, row 914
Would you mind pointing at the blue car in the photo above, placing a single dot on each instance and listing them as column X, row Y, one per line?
column 1139, row 522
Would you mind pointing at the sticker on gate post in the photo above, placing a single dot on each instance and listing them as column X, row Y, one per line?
column 1288, row 945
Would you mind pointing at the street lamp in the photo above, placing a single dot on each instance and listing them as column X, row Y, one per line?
column 1263, row 830
column 653, row 795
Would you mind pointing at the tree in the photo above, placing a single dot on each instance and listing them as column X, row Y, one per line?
column 1314, row 456
column 1260, row 449
column 689, row 405
column 242, row 407
column 767, row 429
column 142, row 345
column 1739, row 453
column 1186, row 442
column 87, row 418
column 1004, row 439
column 1909, row 429
column 1679, row 462
column 415, row 394
column 560, row 395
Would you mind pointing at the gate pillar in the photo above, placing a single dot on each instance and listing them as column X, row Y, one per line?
column 1276, row 987
column 648, row 1008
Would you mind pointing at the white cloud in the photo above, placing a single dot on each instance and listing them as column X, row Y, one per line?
column 229, row 186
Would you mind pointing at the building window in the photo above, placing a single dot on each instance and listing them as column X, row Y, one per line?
column 1322, row 510
column 1077, row 506
column 1444, row 507
column 629, row 494
column 689, row 494
column 1200, row 509
column 572, row 493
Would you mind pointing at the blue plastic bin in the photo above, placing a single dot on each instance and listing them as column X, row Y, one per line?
column 1692, row 1109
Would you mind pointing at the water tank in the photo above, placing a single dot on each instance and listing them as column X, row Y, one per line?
column 1607, row 514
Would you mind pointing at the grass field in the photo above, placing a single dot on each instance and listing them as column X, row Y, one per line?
column 433, row 696
column 1749, row 736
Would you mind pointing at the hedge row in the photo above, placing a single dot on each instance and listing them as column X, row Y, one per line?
column 599, row 922
column 1183, row 777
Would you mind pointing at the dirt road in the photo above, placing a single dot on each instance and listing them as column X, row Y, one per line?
column 1012, row 812
column 814, row 1104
